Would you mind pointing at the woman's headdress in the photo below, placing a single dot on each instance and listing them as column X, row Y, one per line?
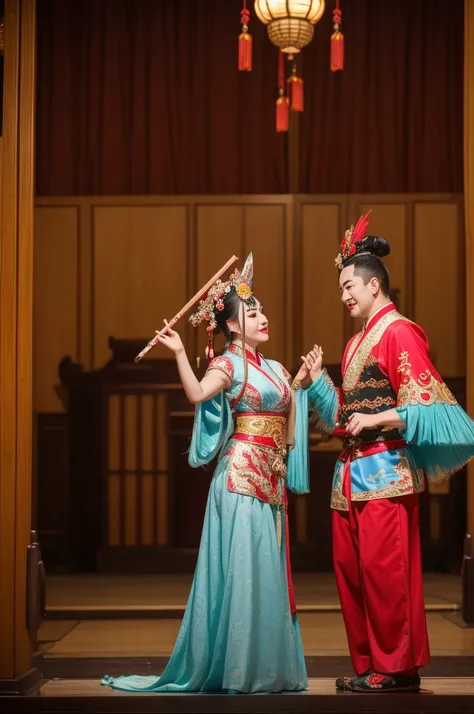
column 214, row 301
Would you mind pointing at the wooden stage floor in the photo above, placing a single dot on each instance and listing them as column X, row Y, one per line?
column 116, row 625
column 87, row 596
column 440, row 695
column 323, row 635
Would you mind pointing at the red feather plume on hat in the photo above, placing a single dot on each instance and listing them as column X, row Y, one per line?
column 352, row 236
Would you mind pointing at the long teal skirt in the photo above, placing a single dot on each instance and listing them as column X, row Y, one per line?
column 238, row 633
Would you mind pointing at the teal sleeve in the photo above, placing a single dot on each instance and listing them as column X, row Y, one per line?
column 297, row 476
column 324, row 398
column 440, row 437
column 212, row 429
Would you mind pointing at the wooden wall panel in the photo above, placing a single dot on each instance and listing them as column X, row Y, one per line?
column 265, row 236
column 322, row 312
column 119, row 265
column 55, row 305
column 219, row 235
column 389, row 220
column 439, row 283
column 139, row 272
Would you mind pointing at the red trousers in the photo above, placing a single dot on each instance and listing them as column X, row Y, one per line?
column 377, row 563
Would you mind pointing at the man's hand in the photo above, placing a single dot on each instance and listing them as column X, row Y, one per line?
column 311, row 367
column 357, row 422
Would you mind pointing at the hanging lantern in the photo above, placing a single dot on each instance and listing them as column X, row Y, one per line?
column 290, row 23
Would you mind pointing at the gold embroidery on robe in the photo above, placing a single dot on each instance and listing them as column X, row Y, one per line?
column 224, row 364
column 339, row 501
column 368, row 404
column 353, row 346
column 252, row 397
column 377, row 476
column 251, row 472
column 327, row 379
column 388, row 492
column 360, row 358
column 410, row 480
column 425, row 390
column 403, row 469
column 373, row 383
column 265, row 425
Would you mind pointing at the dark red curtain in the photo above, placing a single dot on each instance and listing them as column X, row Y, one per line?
column 392, row 121
column 144, row 96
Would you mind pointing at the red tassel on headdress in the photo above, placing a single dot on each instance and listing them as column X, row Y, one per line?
column 337, row 41
column 282, row 101
column 245, row 41
column 295, row 91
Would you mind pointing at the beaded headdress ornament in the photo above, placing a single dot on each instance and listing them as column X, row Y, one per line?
column 214, row 301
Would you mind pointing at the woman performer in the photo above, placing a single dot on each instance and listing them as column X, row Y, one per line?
column 240, row 632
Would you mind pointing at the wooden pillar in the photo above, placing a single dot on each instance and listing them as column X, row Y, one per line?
column 468, row 566
column 16, row 317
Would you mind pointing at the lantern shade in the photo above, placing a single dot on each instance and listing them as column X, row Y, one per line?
column 309, row 10
column 290, row 35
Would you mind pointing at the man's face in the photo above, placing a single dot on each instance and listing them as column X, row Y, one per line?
column 358, row 298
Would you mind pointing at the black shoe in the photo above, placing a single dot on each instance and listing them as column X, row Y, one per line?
column 343, row 683
column 385, row 683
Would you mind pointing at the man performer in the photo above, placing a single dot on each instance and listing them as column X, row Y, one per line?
column 401, row 425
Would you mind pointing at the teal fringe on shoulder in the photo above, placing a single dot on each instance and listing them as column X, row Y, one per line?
column 440, row 437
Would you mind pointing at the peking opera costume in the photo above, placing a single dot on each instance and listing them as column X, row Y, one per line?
column 240, row 632
column 377, row 481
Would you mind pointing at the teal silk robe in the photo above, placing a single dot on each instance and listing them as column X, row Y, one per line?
column 239, row 633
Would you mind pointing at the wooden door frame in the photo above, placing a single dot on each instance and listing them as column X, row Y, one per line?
column 16, row 343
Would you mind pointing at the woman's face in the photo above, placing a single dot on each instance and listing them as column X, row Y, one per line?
column 256, row 324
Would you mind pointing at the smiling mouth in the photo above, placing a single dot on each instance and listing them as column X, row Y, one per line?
column 351, row 305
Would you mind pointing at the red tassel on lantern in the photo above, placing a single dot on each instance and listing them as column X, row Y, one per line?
column 282, row 101
column 282, row 113
column 295, row 91
column 337, row 41
column 245, row 41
